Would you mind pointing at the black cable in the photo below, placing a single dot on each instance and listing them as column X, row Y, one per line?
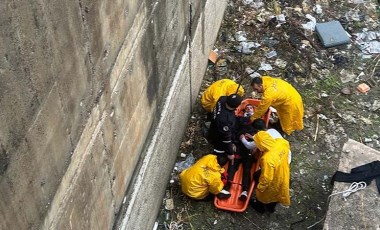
column 190, row 54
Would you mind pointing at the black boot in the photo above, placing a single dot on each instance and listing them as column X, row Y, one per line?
column 258, row 206
column 271, row 207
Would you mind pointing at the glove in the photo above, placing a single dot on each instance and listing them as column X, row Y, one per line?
column 224, row 177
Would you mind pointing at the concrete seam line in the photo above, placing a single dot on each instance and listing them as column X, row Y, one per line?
column 72, row 176
column 42, row 106
column 152, row 144
column 132, row 50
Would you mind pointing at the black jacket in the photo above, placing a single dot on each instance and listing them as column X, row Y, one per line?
column 223, row 125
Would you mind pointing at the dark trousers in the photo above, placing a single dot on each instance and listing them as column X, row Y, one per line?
column 247, row 164
column 366, row 172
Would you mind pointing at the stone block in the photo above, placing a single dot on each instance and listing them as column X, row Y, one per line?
column 361, row 209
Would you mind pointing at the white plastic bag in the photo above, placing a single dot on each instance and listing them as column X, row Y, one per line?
column 189, row 161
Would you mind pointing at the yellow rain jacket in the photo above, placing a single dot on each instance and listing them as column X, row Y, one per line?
column 224, row 87
column 285, row 99
column 201, row 178
column 275, row 172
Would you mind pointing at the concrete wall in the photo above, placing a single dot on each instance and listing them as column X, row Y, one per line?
column 88, row 89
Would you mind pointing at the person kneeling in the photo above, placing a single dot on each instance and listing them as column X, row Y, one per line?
column 273, row 181
column 204, row 177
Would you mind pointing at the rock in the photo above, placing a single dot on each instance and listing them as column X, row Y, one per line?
column 346, row 91
column 375, row 105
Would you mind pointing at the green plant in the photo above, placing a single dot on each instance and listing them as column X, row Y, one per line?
column 330, row 84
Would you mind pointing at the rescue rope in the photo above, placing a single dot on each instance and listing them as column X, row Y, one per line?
column 241, row 69
column 190, row 54
column 243, row 74
column 354, row 187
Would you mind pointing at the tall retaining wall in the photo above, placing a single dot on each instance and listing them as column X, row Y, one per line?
column 94, row 98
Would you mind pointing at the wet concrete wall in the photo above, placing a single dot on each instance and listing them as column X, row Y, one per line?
column 88, row 89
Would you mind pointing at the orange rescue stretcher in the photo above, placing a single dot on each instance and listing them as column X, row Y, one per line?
column 233, row 203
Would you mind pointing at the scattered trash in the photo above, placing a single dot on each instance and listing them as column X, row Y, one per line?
column 363, row 88
column 254, row 3
column 375, row 106
column 353, row 15
column 367, row 140
column 356, row 1
column 366, row 120
column 213, row 56
column 155, row 226
column 186, row 163
column 318, row 9
column 221, row 67
column 183, row 155
column 367, row 41
column 247, row 2
column 298, row 68
column 265, row 67
column 276, row 8
column 324, row 95
column 270, row 42
column 332, row 34
column 245, row 47
column 241, row 36
column 280, row 19
column 305, row 43
column 257, row 4
column 169, row 204
column 167, row 215
column 322, row 116
column 309, row 27
column 255, row 74
column 249, row 70
column 271, row 54
column 280, row 63
column 252, row 73
column 347, row 76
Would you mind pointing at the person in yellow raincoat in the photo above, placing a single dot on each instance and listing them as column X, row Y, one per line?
column 204, row 177
column 223, row 87
column 284, row 98
column 273, row 182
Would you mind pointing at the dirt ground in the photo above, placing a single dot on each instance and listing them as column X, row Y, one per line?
column 334, row 109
